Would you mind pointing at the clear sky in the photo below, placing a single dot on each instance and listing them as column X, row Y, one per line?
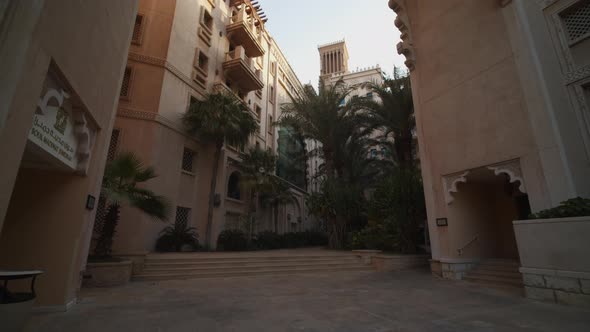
column 366, row 25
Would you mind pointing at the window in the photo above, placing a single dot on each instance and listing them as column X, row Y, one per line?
column 113, row 144
column 273, row 68
column 125, row 85
column 233, row 186
column 370, row 95
column 137, row 30
column 269, row 125
column 207, row 20
column 373, row 153
column 576, row 21
column 271, row 96
column 258, row 111
column 183, row 215
column 202, row 62
column 342, row 102
column 188, row 159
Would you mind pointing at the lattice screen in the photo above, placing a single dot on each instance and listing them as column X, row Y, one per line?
column 188, row 158
column 182, row 215
column 113, row 145
column 577, row 20
column 137, row 29
column 126, row 83
column 101, row 211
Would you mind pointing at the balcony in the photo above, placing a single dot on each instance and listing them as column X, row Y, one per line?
column 222, row 88
column 242, row 30
column 240, row 69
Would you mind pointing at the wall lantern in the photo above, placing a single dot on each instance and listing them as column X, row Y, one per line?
column 442, row 222
column 90, row 201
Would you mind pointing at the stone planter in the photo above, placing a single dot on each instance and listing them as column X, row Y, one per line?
column 107, row 274
column 399, row 262
column 555, row 259
column 366, row 254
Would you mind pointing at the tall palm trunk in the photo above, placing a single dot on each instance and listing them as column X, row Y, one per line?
column 104, row 245
column 212, row 188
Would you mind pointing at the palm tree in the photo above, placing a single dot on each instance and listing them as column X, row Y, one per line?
column 119, row 187
column 219, row 119
column 394, row 116
column 278, row 193
column 257, row 167
column 326, row 118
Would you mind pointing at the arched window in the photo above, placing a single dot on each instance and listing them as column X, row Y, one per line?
column 233, row 186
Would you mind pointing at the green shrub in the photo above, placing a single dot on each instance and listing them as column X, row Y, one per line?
column 268, row 240
column 377, row 236
column 232, row 240
column 575, row 207
column 177, row 236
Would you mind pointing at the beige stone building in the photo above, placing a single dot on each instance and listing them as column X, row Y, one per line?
column 62, row 63
column 181, row 50
column 502, row 97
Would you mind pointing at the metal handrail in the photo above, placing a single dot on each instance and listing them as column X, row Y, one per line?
column 460, row 250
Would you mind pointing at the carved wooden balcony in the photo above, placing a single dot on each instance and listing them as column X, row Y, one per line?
column 242, row 30
column 240, row 69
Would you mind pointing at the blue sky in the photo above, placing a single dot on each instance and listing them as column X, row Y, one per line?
column 300, row 26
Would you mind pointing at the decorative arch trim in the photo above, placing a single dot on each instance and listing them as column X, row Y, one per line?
column 450, row 183
column 513, row 170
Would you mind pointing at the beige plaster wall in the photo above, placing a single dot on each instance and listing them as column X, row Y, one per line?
column 469, row 105
column 46, row 223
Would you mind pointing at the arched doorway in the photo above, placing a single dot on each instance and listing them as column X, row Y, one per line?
column 483, row 204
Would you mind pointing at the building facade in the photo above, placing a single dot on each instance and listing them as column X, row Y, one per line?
column 501, row 92
column 59, row 94
column 180, row 51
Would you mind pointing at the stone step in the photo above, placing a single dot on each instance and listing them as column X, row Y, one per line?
column 239, row 259
column 283, row 271
column 496, row 280
column 188, row 269
column 497, row 273
column 501, row 262
column 248, row 262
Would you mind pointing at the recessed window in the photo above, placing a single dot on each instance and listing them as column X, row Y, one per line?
column 202, row 62
column 258, row 111
column 188, row 159
column 183, row 215
column 271, row 96
column 126, row 84
column 233, row 186
column 269, row 124
column 576, row 21
column 273, row 68
column 207, row 19
column 137, row 30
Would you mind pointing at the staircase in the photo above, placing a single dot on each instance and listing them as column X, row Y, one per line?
column 501, row 273
column 219, row 265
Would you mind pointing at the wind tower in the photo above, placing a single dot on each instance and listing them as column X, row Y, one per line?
column 333, row 59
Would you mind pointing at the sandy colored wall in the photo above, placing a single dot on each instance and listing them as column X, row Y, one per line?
column 469, row 104
column 47, row 210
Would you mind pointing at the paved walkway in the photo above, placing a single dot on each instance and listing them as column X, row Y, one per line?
column 351, row 301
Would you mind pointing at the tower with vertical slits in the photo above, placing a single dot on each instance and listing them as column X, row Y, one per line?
column 333, row 59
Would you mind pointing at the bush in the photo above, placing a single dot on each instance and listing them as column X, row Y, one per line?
column 377, row 236
column 177, row 236
column 232, row 240
column 270, row 240
column 575, row 207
